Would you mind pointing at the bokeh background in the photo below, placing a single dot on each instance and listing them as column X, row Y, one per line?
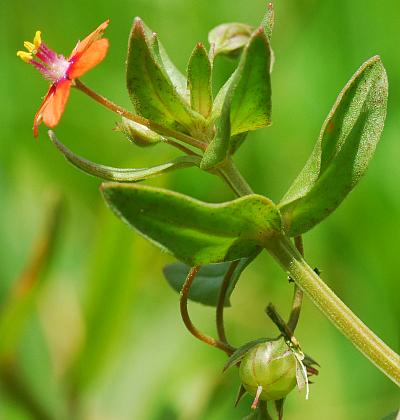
column 101, row 337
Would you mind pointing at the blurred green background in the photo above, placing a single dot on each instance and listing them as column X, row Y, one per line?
column 102, row 337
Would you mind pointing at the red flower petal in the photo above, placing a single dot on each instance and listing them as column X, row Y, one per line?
column 82, row 46
column 53, row 105
column 92, row 56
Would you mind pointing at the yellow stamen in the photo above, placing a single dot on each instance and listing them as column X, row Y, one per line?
column 32, row 48
column 38, row 39
column 29, row 46
column 25, row 56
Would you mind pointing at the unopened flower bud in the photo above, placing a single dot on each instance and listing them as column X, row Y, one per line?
column 268, row 371
column 139, row 134
column 230, row 38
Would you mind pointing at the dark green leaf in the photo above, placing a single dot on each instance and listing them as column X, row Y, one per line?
column 199, row 81
column 238, row 355
column 343, row 151
column 122, row 174
column 207, row 283
column 195, row 232
column 229, row 38
column 150, row 88
column 251, row 103
column 243, row 103
column 176, row 77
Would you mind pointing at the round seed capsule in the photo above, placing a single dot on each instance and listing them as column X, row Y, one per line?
column 268, row 370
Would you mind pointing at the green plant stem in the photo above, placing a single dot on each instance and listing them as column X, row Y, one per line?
column 297, row 294
column 221, row 302
column 382, row 356
column 234, row 178
column 137, row 118
column 187, row 321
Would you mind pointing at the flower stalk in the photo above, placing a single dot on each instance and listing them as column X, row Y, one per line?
column 188, row 322
column 139, row 119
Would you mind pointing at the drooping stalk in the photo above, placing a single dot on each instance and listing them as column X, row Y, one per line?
column 221, row 301
column 187, row 321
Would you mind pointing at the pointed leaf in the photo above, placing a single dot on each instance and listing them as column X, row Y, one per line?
column 176, row 77
column 343, row 151
column 207, row 283
column 199, row 81
column 195, row 232
column 251, row 104
column 241, row 393
column 150, row 88
column 122, row 174
column 243, row 103
column 269, row 21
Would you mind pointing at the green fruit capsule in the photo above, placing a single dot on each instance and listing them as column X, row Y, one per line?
column 268, row 370
column 138, row 133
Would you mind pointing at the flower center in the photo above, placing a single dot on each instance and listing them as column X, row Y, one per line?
column 51, row 65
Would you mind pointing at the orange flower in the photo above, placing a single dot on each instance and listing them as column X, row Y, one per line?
column 61, row 71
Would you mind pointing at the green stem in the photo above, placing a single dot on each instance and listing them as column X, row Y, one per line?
column 188, row 322
column 297, row 294
column 221, row 302
column 234, row 179
column 382, row 356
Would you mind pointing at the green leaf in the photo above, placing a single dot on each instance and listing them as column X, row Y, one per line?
column 343, row 151
column 244, row 102
column 251, row 103
column 199, row 81
column 238, row 355
column 268, row 21
column 176, row 77
column 229, row 38
column 207, row 283
column 218, row 149
column 122, row 174
column 150, row 88
column 195, row 232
